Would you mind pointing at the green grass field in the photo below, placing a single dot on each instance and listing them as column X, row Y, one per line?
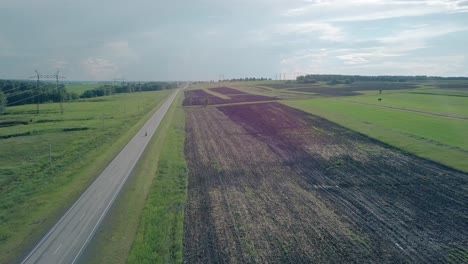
column 438, row 138
column 436, row 101
column 160, row 233
column 35, row 188
column 81, row 88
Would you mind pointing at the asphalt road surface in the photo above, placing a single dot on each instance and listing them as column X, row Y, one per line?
column 65, row 242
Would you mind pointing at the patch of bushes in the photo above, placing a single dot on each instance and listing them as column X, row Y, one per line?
column 48, row 120
column 13, row 123
column 16, row 135
column 68, row 129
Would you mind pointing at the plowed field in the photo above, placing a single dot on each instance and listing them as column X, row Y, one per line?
column 200, row 97
column 268, row 183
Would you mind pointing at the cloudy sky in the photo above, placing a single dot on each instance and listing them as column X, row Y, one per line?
column 200, row 39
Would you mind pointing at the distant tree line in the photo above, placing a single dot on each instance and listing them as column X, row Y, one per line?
column 247, row 79
column 347, row 79
column 16, row 92
column 3, row 102
column 108, row 89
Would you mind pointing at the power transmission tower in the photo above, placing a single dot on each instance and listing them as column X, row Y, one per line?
column 38, row 76
column 55, row 76
column 122, row 80
column 60, row 91
column 139, row 86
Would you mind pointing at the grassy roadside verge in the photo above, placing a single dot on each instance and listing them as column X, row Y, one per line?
column 434, row 138
column 160, row 232
column 84, row 159
column 116, row 236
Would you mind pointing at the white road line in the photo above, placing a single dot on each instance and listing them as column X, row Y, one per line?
column 82, row 217
column 55, row 252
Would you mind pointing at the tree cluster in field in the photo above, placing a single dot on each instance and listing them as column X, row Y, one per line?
column 347, row 79
column 108, row 89
column 245, row 79
column 16, row 92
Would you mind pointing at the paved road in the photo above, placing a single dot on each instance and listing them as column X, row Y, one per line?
column 68, row 238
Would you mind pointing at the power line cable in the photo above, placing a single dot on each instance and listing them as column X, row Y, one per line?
column 40, row 86
column 24, row 99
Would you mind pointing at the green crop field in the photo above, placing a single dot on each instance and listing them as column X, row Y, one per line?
column 47, row 160
column 81, row 88
column 437, row 102
column 432, row 124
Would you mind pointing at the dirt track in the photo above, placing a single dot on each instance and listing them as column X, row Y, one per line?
column 268, row 183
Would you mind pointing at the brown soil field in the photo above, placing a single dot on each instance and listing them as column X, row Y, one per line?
column 272, row 184
column 200, row 97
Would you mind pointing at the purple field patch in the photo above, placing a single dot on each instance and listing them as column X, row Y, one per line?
column 200, row 97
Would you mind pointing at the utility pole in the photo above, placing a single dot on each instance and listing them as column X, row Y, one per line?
column 60, row 91
column 47, row 76
column 37, row 90
column 50, row 155
column 122, row 80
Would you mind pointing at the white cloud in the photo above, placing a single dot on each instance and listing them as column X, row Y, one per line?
column 432, row 65
column 307, row 61
column 400, row 44
column 324, row 31
column 118, row 50
column 378, row 60
column 58, row 64
column 99, row 68
column 366, row 57
column 422, row 33
column 365, row 10
column 109, row 60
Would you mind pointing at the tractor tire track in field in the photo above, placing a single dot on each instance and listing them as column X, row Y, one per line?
column 269, row 183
